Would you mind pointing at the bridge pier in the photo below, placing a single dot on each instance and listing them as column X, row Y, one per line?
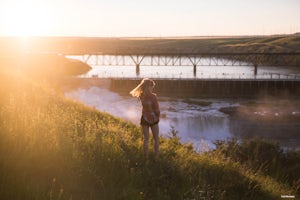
column 137, row 60
column 195, row 70
column 137, row 69
column 255, row 69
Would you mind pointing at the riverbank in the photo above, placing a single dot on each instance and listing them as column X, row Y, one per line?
column 42, row 66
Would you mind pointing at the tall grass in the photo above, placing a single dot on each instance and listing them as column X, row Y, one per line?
column 54, row 148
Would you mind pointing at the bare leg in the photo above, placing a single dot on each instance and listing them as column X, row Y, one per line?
column 155, row 132
column 145, row 130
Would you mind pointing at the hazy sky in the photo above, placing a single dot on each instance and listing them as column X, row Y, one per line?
column 148, row 18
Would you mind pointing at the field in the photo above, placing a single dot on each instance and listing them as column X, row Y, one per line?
column 54, row 148
column 74, row 45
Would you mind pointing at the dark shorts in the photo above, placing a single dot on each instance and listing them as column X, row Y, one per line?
column 145, row 123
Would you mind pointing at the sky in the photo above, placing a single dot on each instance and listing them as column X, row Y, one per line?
column 151, row 18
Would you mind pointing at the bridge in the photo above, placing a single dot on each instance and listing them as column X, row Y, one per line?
column 191, row 59
column 200, row 87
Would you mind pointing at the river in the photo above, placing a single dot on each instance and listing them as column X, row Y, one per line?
column 186, row 72
column 201, row 121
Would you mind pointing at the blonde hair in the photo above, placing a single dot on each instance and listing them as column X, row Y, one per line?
column 142, row 87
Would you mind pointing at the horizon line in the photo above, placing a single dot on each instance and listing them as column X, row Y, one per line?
column 150, row 37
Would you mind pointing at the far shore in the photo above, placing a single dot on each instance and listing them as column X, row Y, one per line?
column 185, row 44
column 270, row 44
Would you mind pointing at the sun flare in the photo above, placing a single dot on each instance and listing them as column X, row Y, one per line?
column 25, row 18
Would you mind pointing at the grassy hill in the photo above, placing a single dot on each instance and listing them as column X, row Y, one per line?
column 54, row 148
column 69, row 45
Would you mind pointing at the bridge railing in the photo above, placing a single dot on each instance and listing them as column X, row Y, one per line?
column 204, row 59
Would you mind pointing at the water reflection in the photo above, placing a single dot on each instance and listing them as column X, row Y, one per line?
column 203, row 72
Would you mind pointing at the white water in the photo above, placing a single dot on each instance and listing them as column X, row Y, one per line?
column 200, row 125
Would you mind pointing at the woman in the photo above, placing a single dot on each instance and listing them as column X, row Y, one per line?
column 150, row 113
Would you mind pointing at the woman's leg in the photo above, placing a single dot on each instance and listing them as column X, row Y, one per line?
column 145, row 130
column 155, row 132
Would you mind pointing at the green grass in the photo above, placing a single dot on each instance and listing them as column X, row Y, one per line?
column 54, row 148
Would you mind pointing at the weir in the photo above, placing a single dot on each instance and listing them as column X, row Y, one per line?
column 214, row 88
column 206, row 88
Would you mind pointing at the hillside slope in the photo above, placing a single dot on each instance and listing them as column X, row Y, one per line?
column 55, row 148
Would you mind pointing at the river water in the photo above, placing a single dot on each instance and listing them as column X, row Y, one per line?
column 186, row 72
column 200, row 123
column 197, row 121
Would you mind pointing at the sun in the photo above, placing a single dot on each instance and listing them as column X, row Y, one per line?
column 25, row 18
